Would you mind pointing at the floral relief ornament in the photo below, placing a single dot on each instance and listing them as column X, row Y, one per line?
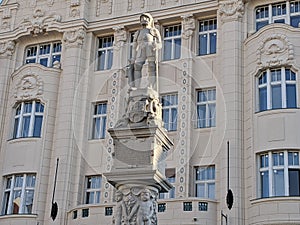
column 188, row 26
column 275, row 50
column 231, row 8
column 74, row 38
column 7, row 48
column 30, row 86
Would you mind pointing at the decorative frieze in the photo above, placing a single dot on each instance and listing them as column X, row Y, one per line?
column 33, row 3
column 275, row 50
column 7, row 48
column 39, row 22
column 30, row 86
column 188, row 26
column 74, row 38
column 231, row 9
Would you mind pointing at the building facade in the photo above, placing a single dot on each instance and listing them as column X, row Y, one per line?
column 228, row 72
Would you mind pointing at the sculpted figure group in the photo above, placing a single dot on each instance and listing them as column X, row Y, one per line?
column 135, row 209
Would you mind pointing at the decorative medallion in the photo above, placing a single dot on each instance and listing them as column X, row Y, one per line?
column 30, row 86
column 275, row 50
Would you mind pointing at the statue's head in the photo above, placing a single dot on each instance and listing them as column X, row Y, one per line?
column 145, row 195
column 147, row 20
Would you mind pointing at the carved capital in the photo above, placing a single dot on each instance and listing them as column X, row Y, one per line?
column 275, row 50
column 7, row 48
column 30, row 86
column 188, row 26
column 231, row 9
column 120, row 37
column 39, row 22
column 74, row 38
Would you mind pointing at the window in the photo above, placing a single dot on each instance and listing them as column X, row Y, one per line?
column 105, row 53
column 130, row 45
column 93, row 189
column 18, row 194
column 169, row 111
column 287, row 12
column 108, row 211
column 206, row 108
column 85, row 213
column 202, row 206
column 279, row 174
column 277, row 89
column 44, row 54
column 187, row 206
column 28, row 119
column 170, row 175
column 99, row 121
column 172, row 42
column 161, row 207
column 205, row 182
column 207, row 37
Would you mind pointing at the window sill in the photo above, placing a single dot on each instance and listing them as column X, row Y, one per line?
column 276, row 111
column 275, row 199
column 10, row 216
column 24, row 139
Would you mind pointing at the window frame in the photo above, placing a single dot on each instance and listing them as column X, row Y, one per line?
column 206, row 182
column 101, row 133
column 108, row 52
column 269, row 83
column 96, row 191
column 207, row 32
column 209, row 121
column 7, row 207
column 49, row 56
column 171, row 177
column 18, row 128
column 172, row 123
column 173, row 39
column 271, row 168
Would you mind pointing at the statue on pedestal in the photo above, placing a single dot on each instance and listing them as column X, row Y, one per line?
column 146, row 43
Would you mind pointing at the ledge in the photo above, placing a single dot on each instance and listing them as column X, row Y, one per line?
column 275, row 199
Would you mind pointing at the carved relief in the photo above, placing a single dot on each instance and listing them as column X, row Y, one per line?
column 120, row 37
column 188, row 25
column 129, row 5
column 75, row 2
column 30, row 86
column 100, row 5
column 7, row 16
column 135, row 207
column 39, row 23
column 7, row 48
column 74, row 38
column 275, row 50
column 231, row 9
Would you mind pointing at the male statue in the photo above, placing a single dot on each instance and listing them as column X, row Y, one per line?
column 146, row 43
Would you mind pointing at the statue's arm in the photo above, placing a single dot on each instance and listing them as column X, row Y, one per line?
column 134, row 45
column 158, row 43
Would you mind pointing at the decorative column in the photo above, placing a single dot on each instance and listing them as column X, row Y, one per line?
column 67, row 141
column 231, row 79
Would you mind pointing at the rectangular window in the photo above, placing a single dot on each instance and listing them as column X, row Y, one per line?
column 85, row 213
column 99, row 121
column 205, row 182
column 207, row 37
column 18, row 194
column 206, row 108
column 202, row 206
column 277, row 89
column 279, row 176
column 44, row 54
column 105, row 53
column 170, row 175
column 28, row 119
column 172, row 42
column 93, row 190
column 108, row 211
column 187, row 206
column 161, row 207
column 170, row 111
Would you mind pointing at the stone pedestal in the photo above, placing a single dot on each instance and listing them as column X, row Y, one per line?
column 140, row 149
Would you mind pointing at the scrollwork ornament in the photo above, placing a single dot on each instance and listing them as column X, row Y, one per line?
column 7, row 48
column 30, row 86
column 275, row 50
column 188, row 25
column 74, row 38
column 231, row 9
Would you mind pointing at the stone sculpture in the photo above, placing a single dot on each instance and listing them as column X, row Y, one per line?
column 146, row 43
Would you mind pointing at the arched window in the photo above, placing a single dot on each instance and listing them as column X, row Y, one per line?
column 276, row 89
column 28, row 119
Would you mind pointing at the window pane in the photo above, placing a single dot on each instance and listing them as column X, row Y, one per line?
column 291, row 95
column 16, row 202
column 203, row 44
column 16, row 127
column 201, row 116
column 25, row 126
column 30, row 180
column 97, row 200
column 29, row 194
column 294, row 182
column 276, row 97
column 213, row 43
column 211, row 190
column 167, row 49
column 263, row 99
column 44, row 49
column 37, row 126
column 278, row 176
column 89, row 198
column 200, row 190
column 101, row 60
column 264, row 177
column 212, row 115
column 295, row 20
column 261, row 24
column 177, row 48
column 109, row 58
column 173, row 125
column 103, row 127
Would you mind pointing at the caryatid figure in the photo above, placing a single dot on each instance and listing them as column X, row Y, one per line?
column 146, row 43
